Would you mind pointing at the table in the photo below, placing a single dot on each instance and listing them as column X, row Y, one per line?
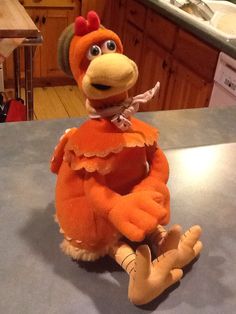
column 16, row 23
column 37, row 278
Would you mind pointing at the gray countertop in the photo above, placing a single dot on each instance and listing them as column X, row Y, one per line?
column 36, row 277
column 194, row 26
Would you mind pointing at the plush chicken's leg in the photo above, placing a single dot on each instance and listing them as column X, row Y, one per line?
column 148, row 279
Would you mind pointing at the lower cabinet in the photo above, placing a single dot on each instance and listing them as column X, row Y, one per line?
column 117, row 16
column 164, row 52
column 180, row 86
column 51, row 22
column 155, row 66
column 186, row 89
column 132, row 42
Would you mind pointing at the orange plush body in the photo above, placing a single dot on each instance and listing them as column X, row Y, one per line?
column 112, row 176
column 121, row 164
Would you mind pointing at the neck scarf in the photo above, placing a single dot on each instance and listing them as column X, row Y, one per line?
column 119, row 115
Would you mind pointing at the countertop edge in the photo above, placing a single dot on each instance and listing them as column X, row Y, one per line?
column 178, row 128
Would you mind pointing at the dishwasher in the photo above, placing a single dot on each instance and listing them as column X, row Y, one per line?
column 224, row 88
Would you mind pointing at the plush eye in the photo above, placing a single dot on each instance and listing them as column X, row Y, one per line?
column 109, row 46
column 94, row 51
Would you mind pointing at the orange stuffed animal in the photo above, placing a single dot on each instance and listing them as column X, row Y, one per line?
column 112, row 176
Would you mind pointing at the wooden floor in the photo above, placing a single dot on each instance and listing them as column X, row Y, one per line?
column 58, row 102
column 55, row 102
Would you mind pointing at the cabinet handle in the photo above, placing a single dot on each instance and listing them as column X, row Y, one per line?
column 36, row 20
column 136, row 42
column 164, row 64
column 44, row 19
column 133, row 12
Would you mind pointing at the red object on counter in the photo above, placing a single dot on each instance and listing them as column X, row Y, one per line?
column 17, row 111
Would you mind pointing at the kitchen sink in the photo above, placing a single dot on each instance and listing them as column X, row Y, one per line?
column 223, row 21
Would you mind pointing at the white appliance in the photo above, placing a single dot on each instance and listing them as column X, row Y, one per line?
column 1, row 78
column 224, row 89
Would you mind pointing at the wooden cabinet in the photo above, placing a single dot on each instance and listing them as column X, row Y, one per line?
column 156, row 60
column 182, row 63
column 195, row 54
column 102, row 7
column 154, row 67
column 51, row 19
column 186, row 89
column 117, row 16
column 191, row 74
column 52, row 24
column 136, row 13
column 133, row 39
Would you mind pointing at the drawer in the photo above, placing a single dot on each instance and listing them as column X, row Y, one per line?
column 48, row 3
column 136, row 13
column 161, row 30
column 196, row 54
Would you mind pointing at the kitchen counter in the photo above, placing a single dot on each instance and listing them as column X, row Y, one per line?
column 193, row 26
column 36, row 277
column 15, row 22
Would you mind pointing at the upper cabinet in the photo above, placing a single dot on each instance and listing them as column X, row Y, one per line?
column 164, row 52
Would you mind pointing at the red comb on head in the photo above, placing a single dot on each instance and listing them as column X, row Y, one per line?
column 83, row 26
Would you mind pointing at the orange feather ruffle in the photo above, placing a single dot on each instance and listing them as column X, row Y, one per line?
column 94, row 145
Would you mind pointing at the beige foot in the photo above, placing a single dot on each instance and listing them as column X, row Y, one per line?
column 168, row 240
column 149, row 279
column 188, row 244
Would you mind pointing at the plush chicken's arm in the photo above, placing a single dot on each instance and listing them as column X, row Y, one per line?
column 134, row 215
column 100, row 197
column 159, row 169
column 157, row 178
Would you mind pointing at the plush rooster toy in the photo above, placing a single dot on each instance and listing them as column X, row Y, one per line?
column 112, row 176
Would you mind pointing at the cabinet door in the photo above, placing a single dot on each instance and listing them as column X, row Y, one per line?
column 186, row 89
column 53, row 22
column 117, row 18
column 154, row 67
column 102, row 7
column 198, row 56
column 133, row 39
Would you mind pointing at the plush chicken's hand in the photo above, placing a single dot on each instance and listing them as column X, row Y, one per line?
column 137, row 214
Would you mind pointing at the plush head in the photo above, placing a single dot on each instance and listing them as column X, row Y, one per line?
column 94, row 56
